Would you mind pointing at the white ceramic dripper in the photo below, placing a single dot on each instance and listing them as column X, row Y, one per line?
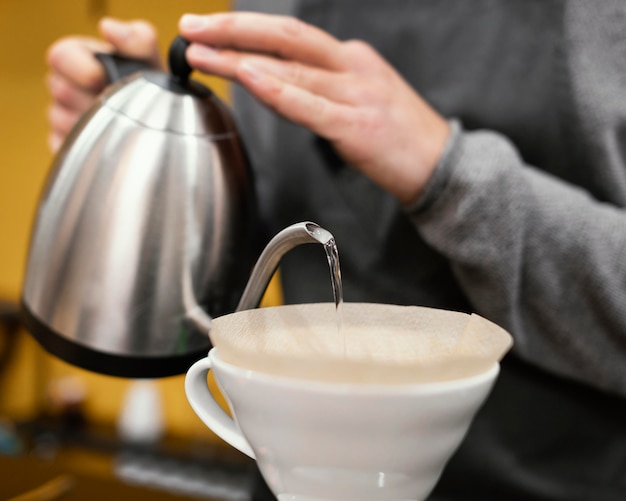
column 376, row 422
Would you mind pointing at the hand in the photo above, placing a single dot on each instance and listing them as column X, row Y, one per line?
column 343, row 91
column 75, row 77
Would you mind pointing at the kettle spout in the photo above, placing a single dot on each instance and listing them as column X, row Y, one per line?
column 283, row 242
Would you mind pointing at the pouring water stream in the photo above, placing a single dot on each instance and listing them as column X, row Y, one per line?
column 332, row 255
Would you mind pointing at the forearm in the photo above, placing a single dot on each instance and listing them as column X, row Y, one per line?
column 536, row 255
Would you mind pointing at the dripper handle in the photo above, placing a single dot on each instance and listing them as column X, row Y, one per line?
column 208, row 410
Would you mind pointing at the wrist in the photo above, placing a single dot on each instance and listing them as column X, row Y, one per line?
column 431, row 146
column 439, row 176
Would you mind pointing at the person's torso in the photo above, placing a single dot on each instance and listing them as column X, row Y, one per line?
column 548, row 75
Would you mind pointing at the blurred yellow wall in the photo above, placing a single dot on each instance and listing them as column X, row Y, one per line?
column 27, row 28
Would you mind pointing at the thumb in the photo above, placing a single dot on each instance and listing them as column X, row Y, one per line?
column 134, row 39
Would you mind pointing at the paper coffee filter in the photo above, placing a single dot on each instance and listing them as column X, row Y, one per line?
column 376, row 343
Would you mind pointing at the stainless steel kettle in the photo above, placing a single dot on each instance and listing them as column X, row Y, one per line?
column 144, row 229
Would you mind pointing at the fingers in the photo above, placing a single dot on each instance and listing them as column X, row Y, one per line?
column 336, row 86
column 76, row 77
column 72, row 58
column 326, row 101
column 134, row 39
column 281, row 36
column 69, row 102
column 61, row 120
column 318, row 113
column 67, row 94
column 315, row 98
column 74, row 80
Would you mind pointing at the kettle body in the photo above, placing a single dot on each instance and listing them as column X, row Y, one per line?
column 147, row 213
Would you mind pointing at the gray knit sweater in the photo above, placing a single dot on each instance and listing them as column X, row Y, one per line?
column 524, row 221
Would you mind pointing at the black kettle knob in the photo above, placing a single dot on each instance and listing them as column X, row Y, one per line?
column 179, row 67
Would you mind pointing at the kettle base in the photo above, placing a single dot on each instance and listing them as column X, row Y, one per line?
column 107, row 363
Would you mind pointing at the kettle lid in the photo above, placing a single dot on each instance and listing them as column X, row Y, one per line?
column 164, row 101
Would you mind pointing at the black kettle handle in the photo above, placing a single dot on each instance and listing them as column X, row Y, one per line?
column 117, row 67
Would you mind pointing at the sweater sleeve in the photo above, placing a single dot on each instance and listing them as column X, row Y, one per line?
column 537, row 255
